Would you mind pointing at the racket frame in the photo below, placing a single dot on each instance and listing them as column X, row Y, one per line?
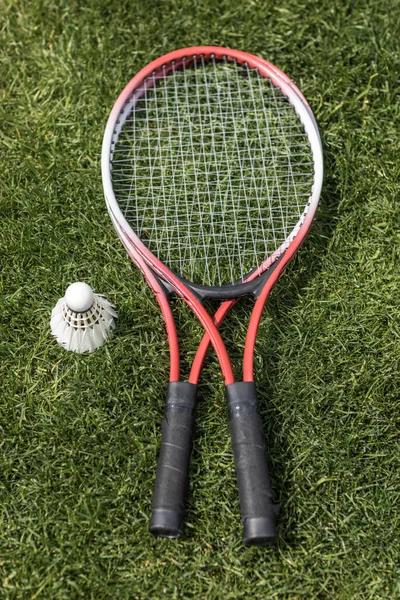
column 124, row 105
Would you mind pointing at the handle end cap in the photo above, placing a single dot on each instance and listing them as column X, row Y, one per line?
column 165, row 523
column 259, row 531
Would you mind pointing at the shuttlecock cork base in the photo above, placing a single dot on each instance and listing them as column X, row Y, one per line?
column 82, row 321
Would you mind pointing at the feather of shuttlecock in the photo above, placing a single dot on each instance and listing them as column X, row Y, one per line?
column 82, row 321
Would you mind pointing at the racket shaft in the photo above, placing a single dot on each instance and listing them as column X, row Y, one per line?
column 256, row 499
column 172, row 479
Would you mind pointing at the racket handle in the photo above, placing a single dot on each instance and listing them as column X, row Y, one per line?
column 172, row 479
column 257, row 505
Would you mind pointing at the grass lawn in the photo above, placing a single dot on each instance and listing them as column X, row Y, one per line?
column 79, row 435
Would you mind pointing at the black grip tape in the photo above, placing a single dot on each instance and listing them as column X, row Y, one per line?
column 172, row 479
column 256, row 498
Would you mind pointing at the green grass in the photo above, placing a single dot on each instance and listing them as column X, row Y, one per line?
column 79, row 435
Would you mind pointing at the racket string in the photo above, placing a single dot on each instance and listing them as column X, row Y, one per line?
column 212, row 169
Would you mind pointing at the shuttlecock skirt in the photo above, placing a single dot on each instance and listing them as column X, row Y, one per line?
column 86, row 331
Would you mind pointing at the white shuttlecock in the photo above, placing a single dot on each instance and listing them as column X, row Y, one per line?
column 82, row 321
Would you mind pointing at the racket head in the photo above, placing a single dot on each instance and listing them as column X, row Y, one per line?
column 239, row 123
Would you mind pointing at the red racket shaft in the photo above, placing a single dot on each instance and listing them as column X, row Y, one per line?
column 256, row 498
column 257, row 505
column 172, row 479
column 158, row 290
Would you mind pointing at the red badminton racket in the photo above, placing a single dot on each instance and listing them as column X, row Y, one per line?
column 212, row 171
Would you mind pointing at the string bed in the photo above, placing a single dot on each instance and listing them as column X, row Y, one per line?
column 212, row 169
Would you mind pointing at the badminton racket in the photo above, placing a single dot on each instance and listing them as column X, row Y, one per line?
column 212, row 171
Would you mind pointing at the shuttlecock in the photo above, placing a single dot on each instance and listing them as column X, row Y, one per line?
column 82, row 321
